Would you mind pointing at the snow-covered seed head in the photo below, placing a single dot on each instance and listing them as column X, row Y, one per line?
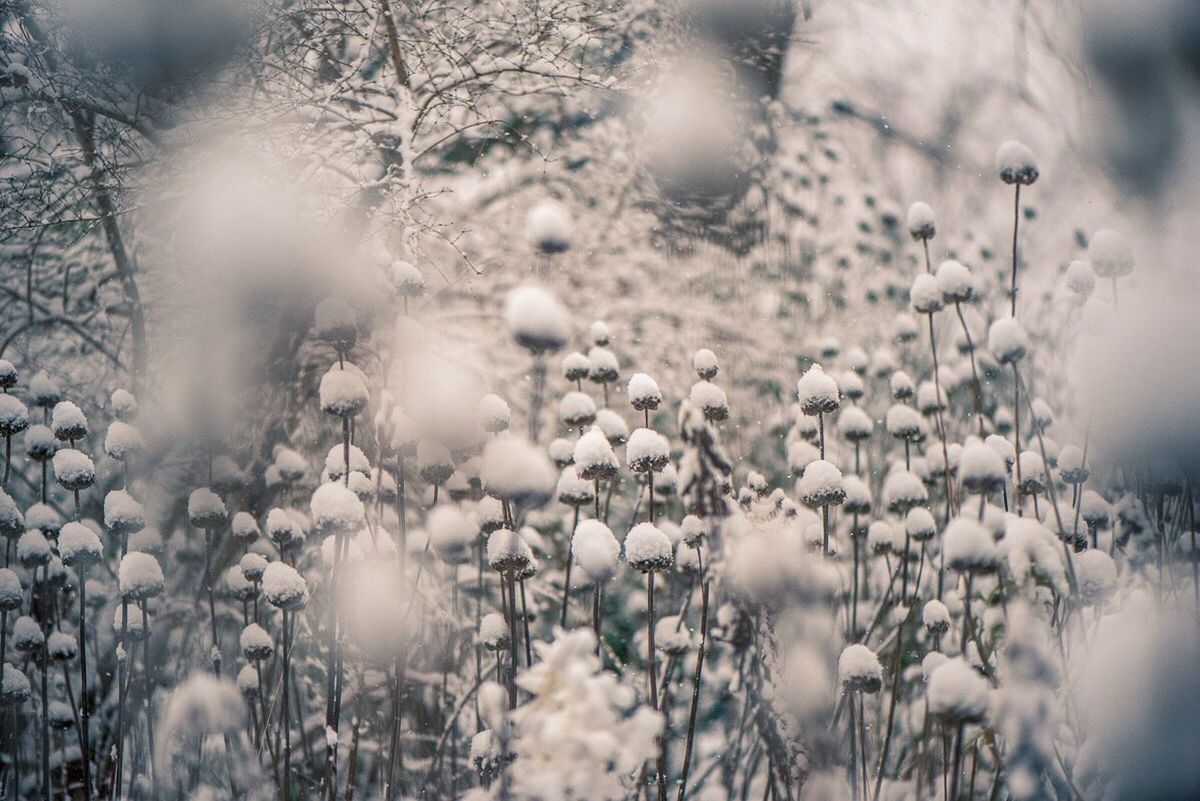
column 859, row 669
column 33, row 550
column 244, row 528
column 61, row 647
column 434, row 462
column 921, row 221
column 1110, row 254
column 968, row 547
column 577, row 409
column 902, row 386
column 343, row 393
column 904, row 328
column 936, row 617
column 561, row 451
column 45, row 518
column 850, row 385
column 515, row 470
column 283, row 587
column 1016, row 164
column 1071, row 465
column 124, row 405
column 68, row 422
column 644, row 393
column 489, row 514
column 1081, row 278
column 206, row 509
column 335, row 509
column 902, row 491
column 335, row 323
column 536, row 320
column 925, row 295
column 549, row 226
column 493, row 632
column 599, row 334
column 575, row 366
column 14, row 417
column 253, row 566
column 594, row 457
column 648, row 549
column 821, row 485
column 817, row 392
column 407, row 279
column 283, row 530
column 615, row 429
column 1033, row 473
column 79, row 546
column 494, row 414
column 450, row 533
column 605, row 369
column 905, row 423
column 981, row 469
column 957, row 693
column 507, row 552
column 238, row 586
column 711, row 400
column 704, row 362
column 1007, row 341
column 573, row 490
column 15, row 688
column 27, row 636
column 12, row 594
column 647, row 451
column 122, row 441
column 12, row 522
column 123, row 514
column 596, row 551
column 73, row 470
column 44, row 391
column 1095, row 575
column 139, row 577
column 858, row 496
column 930, row 399
column 854, row 424
column 8, row 374
column 955, row 282
column 256, row 643
column 919, row 524
column 693, row 530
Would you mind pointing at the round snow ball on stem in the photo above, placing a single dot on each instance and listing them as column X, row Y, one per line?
column 68, row 422
column 561, row 451
column 644, row 394
column 1033, row 473
column 507, row 552
column 334, row 322
column 576, row 409
column 925, row 295
column 821, row 485
column 859, row 669
column 1016, row 163
column 253, row 565
column 647, row 451
column 599, row 334
column 489, row 514
column 282, row 529
column 1007, row 341
column 61, row 647
column 123, row 514
column 408, row 279
column 693, row 530
column 434, row 463
column 596, row 551
column 968, row 546
column 73, row 470
column 1110, row 254
column 124, row 404
column 12, row 594
column 450, row 533
column 648, row 549
column 711, row 400
column 8, row 374
column 1095, row 575
column 858, row 496
column 238, row 586
column 957, row 693
column 854, row 424
column 919, row 524
column 494, row 414
column 1081, row 278
column 78, row 545
column 14, row 687
column 139, row 577
column 206, row 509
column 921, row 221
column 549, row 226
column 256, row 643
column 335, row 509
column 493, row 632
column 122, row 441
column 283, row 587
column 515, row 470
column 342, row 392
column 902, row 490
column 936, row 617
column 573, row 490
column 904, row 423
column 1003, row 448
column 902, row 386
column 672, row 636
column 14, row 417
column 981, row 469
column 904, row 328
column 44, row 391
column 12, row 522
column 536, row 319
column 704, row 362
column 954, row 280
column 575, row 366
column 1071, row 465
column 244, row 528
column 594, row 457
column 27, row 636
column 605, row 367
column 817, row 392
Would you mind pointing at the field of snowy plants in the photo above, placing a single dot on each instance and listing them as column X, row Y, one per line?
column 539, row 400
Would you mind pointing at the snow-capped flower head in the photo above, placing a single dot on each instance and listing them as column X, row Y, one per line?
column 705, row 363
column 605, row 369
column 1007, row 340
column 14, row 417
column 672, row 636
column 206, row 509
column 493, row 632
column 711, row 400
column 283, row 587
column 507, row 552
column 335, row 509
column 920, row 221
column 693, row 530
column 858, row 496
column 1071, row 465
column 44, row 391
column 450, row 533
column 291, row 464
column 596, row 551
column 903, row 490
column 12, row 594
column 536, row 320
column 343, row 393
column 854, row 424
column 925, row 295
column 930, row 399
column 1003, row 448
column 902, row 386
column 957, row 693
column 407, row 279
column 599, row 334
column 33, row 549
column 253, row 565
column 883, row 537
column 817, row 392
column 494, row 414
column 12, row 522
column 575, row 366
column 935, row 616
column 648, row 549
column 124, row 405
column 139, row 577
column 122, row 441
column 15, row 688
column 576, row 409
column 905, row 328
column 850, row 385
column 434, row 462
column 573, row 490
column 561, row 451
column 859, row 669
column 489, row 514
column 123, row 514
column 955, row 282
column 1016, row 164
column 1033, row 556
column 515, row 470
column 68, row 422
column 1081, row 278
column 647, row 451
column 335, row 323
column 1095, row 575
column 256, row 643
column 282, row 529
column 1033, row 473
column 548, row 226
column 61, row 647
column 244, row 528
column 1110, row 254
column 821, row 485
column 73, row 470
column 78, row 546
column 968, row 546
column 1094, row 510
column 8, row 374
column 238, row 587
column 595, row 459
column 905, row 423
column 644, row 393
column 919, row 524
column 27, row 636
column 981, row 469
column 46, row 519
